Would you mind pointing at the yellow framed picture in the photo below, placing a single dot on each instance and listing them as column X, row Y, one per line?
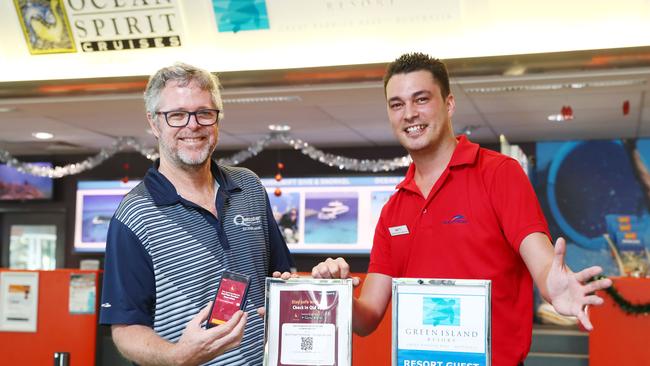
column 45, row 26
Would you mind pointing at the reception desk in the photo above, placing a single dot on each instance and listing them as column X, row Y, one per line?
column 620, row 338
column 58, row 330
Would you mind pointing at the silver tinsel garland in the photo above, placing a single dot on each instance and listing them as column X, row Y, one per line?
column 124, row 143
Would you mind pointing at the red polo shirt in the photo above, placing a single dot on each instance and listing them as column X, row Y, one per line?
column 470, row 227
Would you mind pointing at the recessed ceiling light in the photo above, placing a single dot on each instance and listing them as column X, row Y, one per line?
column 43, row 135
column 279, row 128
column 559, row 117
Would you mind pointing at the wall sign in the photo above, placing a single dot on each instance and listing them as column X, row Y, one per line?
column 45, row 26
column 54, row 26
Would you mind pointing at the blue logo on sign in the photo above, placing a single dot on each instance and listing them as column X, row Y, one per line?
column 236, row 15
column 441, row 311
column 457, row 219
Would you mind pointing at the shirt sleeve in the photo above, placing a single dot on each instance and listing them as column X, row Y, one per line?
column 128, row 290
column 515, row 203
column 281, row 259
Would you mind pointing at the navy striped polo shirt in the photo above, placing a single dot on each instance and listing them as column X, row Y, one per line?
column 165, row 256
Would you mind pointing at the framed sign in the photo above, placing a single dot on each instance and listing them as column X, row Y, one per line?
column 18, row 301
column 441, row 322
column 308, row 322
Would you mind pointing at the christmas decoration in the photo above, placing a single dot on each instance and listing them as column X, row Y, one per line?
column 567, row 113
column 625, row 305
column 125, row 179
column 626, row 107
column 129, row 143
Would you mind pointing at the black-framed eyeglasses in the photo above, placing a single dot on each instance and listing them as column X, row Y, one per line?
column 204, row 117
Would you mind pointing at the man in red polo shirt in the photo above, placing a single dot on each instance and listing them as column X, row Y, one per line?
column 462, row 212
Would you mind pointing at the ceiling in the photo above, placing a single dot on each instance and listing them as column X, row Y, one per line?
column 345, row 106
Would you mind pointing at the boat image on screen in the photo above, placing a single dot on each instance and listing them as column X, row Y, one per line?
column 333, row 210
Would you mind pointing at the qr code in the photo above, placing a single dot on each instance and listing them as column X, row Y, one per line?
column 306, row 343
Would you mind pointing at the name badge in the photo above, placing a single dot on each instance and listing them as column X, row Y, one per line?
column 398, row 230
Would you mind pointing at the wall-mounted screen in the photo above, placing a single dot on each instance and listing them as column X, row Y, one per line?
column 329, row 214
column 17, row 186
column 96, row 204
column 315, row 215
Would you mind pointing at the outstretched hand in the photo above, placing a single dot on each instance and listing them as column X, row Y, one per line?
column 570, row 293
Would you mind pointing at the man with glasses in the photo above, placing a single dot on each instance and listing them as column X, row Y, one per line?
column 176, row 232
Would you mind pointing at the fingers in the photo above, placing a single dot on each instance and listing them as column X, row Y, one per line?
column 331, row 268
column 587, row 273
column 229, row 334
column 201, row 316
column 321, row 270
column 356, row 281
column 223, row 330
column 582, row 312
column 343, row 267
column 284, row 275
column 559, row 251
column 237, row 333
column 594, row 286
column 583, row 317
column 261, row 311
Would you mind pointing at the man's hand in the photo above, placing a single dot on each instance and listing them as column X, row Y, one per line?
column 284, row 275
column 568, row 292
column 197, row 345
column 140, row 344
column 333, row 268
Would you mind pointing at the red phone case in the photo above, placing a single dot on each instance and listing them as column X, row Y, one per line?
column 230, row 297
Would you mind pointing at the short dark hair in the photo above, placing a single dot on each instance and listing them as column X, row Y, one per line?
column 416, row 61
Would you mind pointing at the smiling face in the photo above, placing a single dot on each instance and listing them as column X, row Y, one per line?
column 419, row 115
column 186, row 147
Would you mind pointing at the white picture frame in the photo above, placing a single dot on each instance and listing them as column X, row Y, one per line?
column 18, row 301
column 308, row 322
column 441, row 321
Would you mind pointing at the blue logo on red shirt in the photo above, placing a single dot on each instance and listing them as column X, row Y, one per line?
column 457, row 219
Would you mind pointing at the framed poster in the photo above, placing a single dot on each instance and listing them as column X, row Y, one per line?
column 441, row 322
column 308, row 322
column 18, row 301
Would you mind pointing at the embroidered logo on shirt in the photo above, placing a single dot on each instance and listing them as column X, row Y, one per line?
column 106, row 305
column 248, row 223
column 457, row 219
column 398, row 230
